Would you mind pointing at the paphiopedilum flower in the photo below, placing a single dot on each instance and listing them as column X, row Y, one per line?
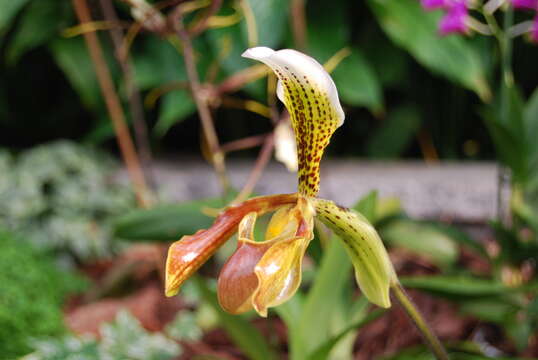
column 263, row 274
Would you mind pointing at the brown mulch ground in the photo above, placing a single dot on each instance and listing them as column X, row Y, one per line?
column 137, row 271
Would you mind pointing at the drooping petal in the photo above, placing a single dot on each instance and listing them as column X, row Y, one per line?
column 188, row 254
column 309, row 94
column 373, row 270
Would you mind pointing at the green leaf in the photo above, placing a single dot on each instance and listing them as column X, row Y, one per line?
column 456, row 286
column 410, row 27
column 357, row 82
column 72, row 57
column 157, row 63
column 270, row 17
column 164, row 222
column 510, row 147
column 41, row 21
column 367, row 206
column 491, row 310
column 421, row 239
column 228, row 44
column 328, row 30
column 176, row 106
column 319, row 305
column 8, row 9
column 246, row 336
column 395, row 133
column 323, row 351
column 530, row 118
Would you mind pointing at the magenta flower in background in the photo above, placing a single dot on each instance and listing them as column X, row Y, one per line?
column 455, row 19
column 525, row 4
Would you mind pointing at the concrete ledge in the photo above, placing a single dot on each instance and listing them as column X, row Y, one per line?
column 463, row 192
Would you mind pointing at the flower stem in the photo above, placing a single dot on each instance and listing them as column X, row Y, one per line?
column 430, row 338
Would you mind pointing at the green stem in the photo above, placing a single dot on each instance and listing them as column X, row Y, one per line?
column 431, row 339
column 506, row 56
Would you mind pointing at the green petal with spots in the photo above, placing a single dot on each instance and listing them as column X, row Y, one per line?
column 373, row 269
column 309, row 94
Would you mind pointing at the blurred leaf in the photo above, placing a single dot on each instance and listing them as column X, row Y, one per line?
column 395, row 133
column 323, row 351
column 176, row 106
column 530, row 118
column 8, row 9
column 409, row 26
column 421, row 239
column 456, row 286
column 491, row 310
column 41, row 21
column 333, row 275
column 72, row 57
column 164, row 222
column 460, row 237
column 227, row 45
column 389, row 61
column 157, row 63
column 510, row 147
column 246, row 336
column 271, row 19
column 357, row 82
column 367, row 206
column 328, row 30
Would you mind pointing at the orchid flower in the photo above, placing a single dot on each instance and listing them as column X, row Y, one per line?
column 263, row 274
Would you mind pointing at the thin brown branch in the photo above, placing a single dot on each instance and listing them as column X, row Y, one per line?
column 113, row 105
column 201, row 25
column 298, row 23
column 261, row 162
column 244, row 143
column 201, row 103
column 133, row 94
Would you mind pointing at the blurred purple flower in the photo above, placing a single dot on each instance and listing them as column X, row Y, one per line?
column 455, row 19
column 525, row 4
column 434, row 4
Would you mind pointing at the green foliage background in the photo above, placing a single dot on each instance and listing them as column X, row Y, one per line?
column 401, row 79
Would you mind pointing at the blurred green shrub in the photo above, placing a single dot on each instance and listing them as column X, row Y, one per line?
column 60, row 196
column 122, row 339
column 32, row 291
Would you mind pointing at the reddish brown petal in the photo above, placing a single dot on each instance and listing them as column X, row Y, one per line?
column 237, row 280
column 188, row 254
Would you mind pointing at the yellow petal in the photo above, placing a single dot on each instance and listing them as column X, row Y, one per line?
column 279, row 270
column 309, row 94
column 280, row 220
column 373, row 270
column 279, row 273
